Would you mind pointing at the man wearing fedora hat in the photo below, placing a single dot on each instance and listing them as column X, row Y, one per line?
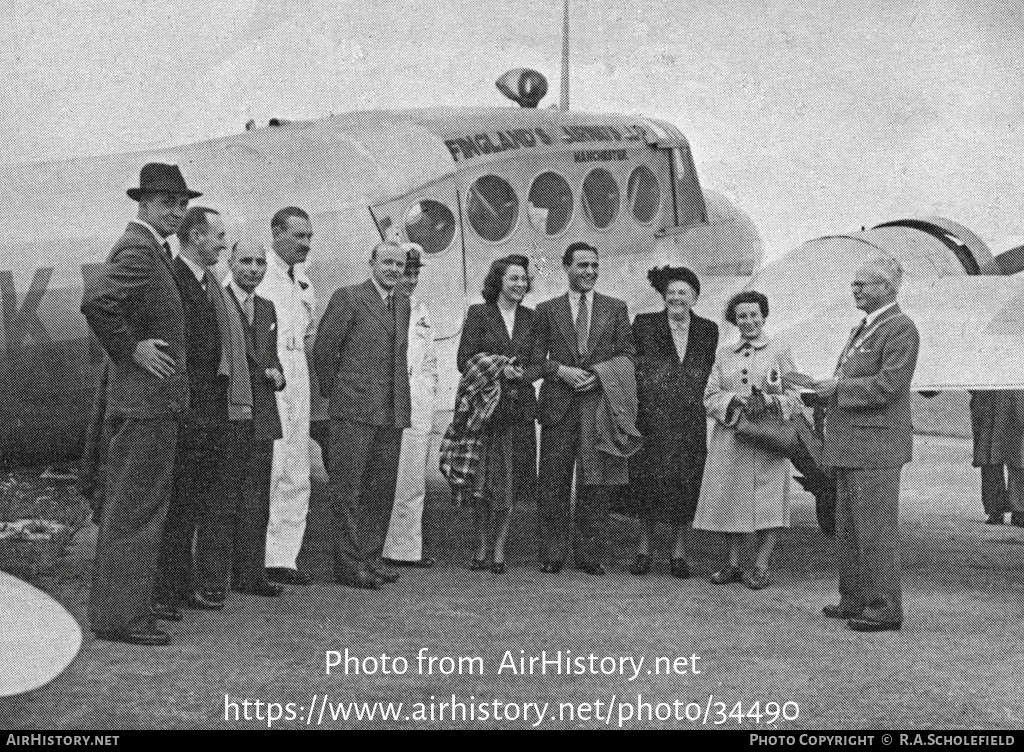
column 134, row 307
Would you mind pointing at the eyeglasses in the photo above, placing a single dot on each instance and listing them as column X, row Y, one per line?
column 862, row 285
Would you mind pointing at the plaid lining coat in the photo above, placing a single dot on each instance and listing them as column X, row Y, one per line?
column 477, row 397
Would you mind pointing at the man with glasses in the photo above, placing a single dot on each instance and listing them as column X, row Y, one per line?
column 868, row 439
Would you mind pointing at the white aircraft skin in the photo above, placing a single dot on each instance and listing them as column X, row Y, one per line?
column 362, row 176
column 38, row 636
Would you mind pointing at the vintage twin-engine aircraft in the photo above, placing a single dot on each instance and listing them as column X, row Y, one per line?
column 468, row 185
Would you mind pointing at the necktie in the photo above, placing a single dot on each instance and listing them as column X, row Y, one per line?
column 291, row 273
column 582, row 326
column 849, row 347
column 247, row 305
column 391, row 302
column 167, row 250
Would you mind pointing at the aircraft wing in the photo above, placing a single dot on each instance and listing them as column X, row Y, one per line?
column 38, row 635
column 972, row 328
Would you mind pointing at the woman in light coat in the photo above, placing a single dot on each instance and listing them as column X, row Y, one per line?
column 745, row 488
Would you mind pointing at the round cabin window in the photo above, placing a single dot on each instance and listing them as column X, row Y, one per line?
column 644, row 194
column 600, row 198
column 492, row 207
column 431, row 224
column 550, row 204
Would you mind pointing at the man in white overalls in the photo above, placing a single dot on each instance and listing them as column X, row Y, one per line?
column 404, row 543
column 290, row 291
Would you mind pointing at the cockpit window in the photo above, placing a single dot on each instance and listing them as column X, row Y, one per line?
column 431, row 224
column 492, row 207
column 550, row 203
column 644, row 194
column 600, row 198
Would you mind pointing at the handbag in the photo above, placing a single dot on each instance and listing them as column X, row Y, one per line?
column 797, row 440
column 770, row 432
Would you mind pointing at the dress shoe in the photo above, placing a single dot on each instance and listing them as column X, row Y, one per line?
column 425, row 563
column 475, row 565
column 727, row 575
column 994, row 519
column 266, row 589
column 835, row 612
column 166, row 611
column 1017, row 519
column 384, row 575
column 551, row 567
column 641, row 565
column 207, row 599
column 142, row 636
column 362, row 579
column 498, row 567
column 860, row 624
column 286, row 576
column 595, row 569
column 679, row 568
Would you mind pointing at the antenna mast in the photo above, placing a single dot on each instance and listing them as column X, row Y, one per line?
column 563, row 102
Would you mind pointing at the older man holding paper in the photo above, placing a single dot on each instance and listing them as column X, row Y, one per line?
column 868, row 439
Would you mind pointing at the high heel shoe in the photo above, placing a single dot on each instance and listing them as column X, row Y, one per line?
column 727, row 575
column 475, row 565
column 679, row 568
column 757, row 579
column 642, row 564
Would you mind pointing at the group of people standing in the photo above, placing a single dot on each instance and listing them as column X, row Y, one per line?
column 208, row 409
column 624, row 410
column 197, row 460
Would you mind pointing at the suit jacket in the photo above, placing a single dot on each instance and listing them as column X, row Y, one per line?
column 366, row 380
column 554, row 344
column 485, row 331
column 867, row 420
column 261, row 349
column 671, row 392
column 133, row 298
column 207, row 389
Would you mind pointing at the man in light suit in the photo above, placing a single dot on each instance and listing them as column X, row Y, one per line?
column 573, row 332
column 360, row 360
column 868, row 439
column 134, row 308
column 287, row 287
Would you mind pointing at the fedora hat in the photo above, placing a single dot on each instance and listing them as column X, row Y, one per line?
column 161, row 178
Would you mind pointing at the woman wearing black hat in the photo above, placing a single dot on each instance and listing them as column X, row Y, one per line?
column 675, row 353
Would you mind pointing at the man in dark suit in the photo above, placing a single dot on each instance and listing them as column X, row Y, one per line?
column 134, row 308
column 359, row 356
column 573, row 332
column 233, row 543
column 201, row 238
column 868, row 439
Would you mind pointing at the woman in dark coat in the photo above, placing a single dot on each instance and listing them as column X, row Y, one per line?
column 507, row 472
column 675, row 353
